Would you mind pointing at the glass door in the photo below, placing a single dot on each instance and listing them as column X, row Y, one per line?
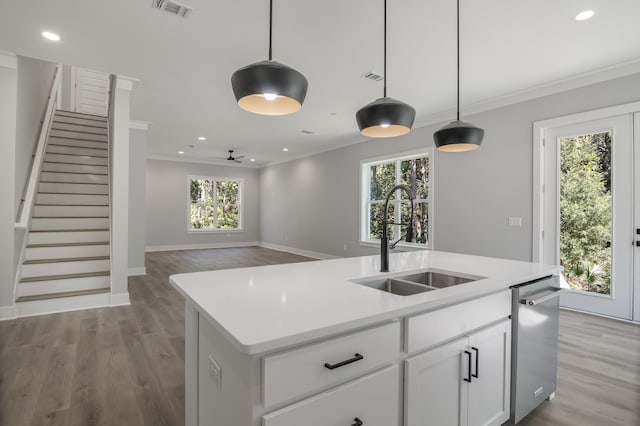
column 589, row 213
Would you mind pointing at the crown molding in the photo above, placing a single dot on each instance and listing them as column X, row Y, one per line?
column 8, row 60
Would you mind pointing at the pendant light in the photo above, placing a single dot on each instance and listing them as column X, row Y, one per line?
column 269, row 87
column 385, row 117
column 458, row 136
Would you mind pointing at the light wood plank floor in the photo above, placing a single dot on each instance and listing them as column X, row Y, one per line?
column 125, row 365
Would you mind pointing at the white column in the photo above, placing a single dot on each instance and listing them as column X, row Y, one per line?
column 137, row 190
column 120, row 117
column 8, row 102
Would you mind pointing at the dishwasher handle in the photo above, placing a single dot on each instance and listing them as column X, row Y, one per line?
column 556, row 292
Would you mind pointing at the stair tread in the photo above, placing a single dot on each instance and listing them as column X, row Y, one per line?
column 75, row 139
column 68, row 230
column 81, row 132
column 75, row 164
column 72, row 193
column 74, row 205
column 65, row 112
column 62, row 294
column 76, row 173
column 98, row 123
column 90, row 243
column 77, row 155
column 64, row 276
column 64, row 259
column 70, row 217
column 74, row 183
column 75, row 146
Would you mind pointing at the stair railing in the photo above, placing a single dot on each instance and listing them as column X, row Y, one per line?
column 24, row 222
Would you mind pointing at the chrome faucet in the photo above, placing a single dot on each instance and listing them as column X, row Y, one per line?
column 384, row 240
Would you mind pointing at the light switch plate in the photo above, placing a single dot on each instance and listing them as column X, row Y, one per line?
column 215, row 372
column 515, row 221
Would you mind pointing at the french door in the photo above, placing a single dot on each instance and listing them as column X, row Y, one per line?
column 590, row 208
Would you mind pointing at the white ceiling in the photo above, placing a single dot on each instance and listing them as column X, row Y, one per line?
column 185, row 65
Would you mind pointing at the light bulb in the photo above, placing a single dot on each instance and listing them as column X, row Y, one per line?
column 270, row 96
column 584, row 15
column 384, row 125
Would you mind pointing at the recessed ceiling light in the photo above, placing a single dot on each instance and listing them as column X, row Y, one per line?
column 50, row 36
column 180, row 152
column 285, row 149
column 584, row 15
column 202, row 138
column 253, row 159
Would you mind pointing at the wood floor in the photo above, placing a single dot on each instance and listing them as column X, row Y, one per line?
column 125, row 366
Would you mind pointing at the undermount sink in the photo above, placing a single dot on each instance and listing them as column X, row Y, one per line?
column 418, row 282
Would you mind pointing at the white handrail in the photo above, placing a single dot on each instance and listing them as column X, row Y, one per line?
column 27, row 205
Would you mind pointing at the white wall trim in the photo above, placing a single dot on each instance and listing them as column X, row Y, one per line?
column 64, row 304
column 125, row 83
column 539, row 128
column 119, row 299
column 8, row 60
column 134, row 272
column 307, row 253
column 139, row 125
column 225, row 163
column 202, row 246
column 8, row 313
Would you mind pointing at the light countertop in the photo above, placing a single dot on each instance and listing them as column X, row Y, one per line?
column 266, row 308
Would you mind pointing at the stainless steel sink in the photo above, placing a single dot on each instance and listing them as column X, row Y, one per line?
column 418, row 282
column 439, row 279
column 395, row 286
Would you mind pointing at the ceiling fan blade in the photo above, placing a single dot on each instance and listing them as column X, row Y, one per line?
column 239, row 157
column 237, row 161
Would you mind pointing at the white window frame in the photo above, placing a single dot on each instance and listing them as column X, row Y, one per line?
column 240, row 205
column 365, row 167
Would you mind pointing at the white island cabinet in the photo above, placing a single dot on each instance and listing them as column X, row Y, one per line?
column 302, row 344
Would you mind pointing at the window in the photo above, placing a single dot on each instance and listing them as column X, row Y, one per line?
column 378, row 176
column 215, row 204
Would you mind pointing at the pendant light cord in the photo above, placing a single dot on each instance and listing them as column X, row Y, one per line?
column 271, row 26
column 458, row 59
column 385, row 49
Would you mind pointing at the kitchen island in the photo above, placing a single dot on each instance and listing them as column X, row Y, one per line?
column 307, row 343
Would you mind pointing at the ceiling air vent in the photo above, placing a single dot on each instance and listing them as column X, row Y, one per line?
column 373, row 76
column 172, row 7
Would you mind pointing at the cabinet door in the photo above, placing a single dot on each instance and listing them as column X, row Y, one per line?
column 489, row 393
column 436, row 393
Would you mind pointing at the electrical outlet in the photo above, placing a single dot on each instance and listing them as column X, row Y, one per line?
column 215, row 372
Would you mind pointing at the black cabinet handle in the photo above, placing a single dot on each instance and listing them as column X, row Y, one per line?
column 468, row 378
column 356, row 357
column 477, row 358
column 357, row 421
column 637, row 243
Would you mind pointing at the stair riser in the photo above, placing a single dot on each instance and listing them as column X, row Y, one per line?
column 79, row 128
column 61, row 119
column 74, row 168
column 67, row 237
column 59, row 286
column 37, row 253
column 61, row 113
column 78, row 143
column 79, row 188
column 71, row 211
column 73, row 178
column 77, row 135
column 76, row 150
column 72, row 199
column 76, row 159
column 63, row 223
column 62, row 268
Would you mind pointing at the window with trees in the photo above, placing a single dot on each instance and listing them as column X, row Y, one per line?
column 215, row 204
column 378, row 177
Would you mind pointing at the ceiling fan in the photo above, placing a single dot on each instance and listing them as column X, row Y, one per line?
column 232, row 158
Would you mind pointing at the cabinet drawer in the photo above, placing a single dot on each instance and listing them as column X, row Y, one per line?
column 373, row 399
column 427, row 330
column 297, row 373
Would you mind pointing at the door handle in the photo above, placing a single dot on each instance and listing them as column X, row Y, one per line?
column 477, row 360
column 468, row 378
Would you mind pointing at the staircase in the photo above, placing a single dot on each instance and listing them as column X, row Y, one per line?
column 67, row 251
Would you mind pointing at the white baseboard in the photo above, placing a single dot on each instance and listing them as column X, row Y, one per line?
column 119, row 299
column 63, row 304
column 8, row 313
column 141, row 270
column 307, row 253
column 201, row 246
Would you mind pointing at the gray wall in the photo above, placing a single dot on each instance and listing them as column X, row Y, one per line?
column 312, row 203
column 8, row 89
column 137, row 179
column 166, row 204
column 35, row 78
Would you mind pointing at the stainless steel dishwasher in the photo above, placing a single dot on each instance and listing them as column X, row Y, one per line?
column 534, row 346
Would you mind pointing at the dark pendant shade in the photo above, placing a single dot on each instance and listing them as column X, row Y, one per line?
column 269, row 88
column 385, row 118
column 458, row 136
